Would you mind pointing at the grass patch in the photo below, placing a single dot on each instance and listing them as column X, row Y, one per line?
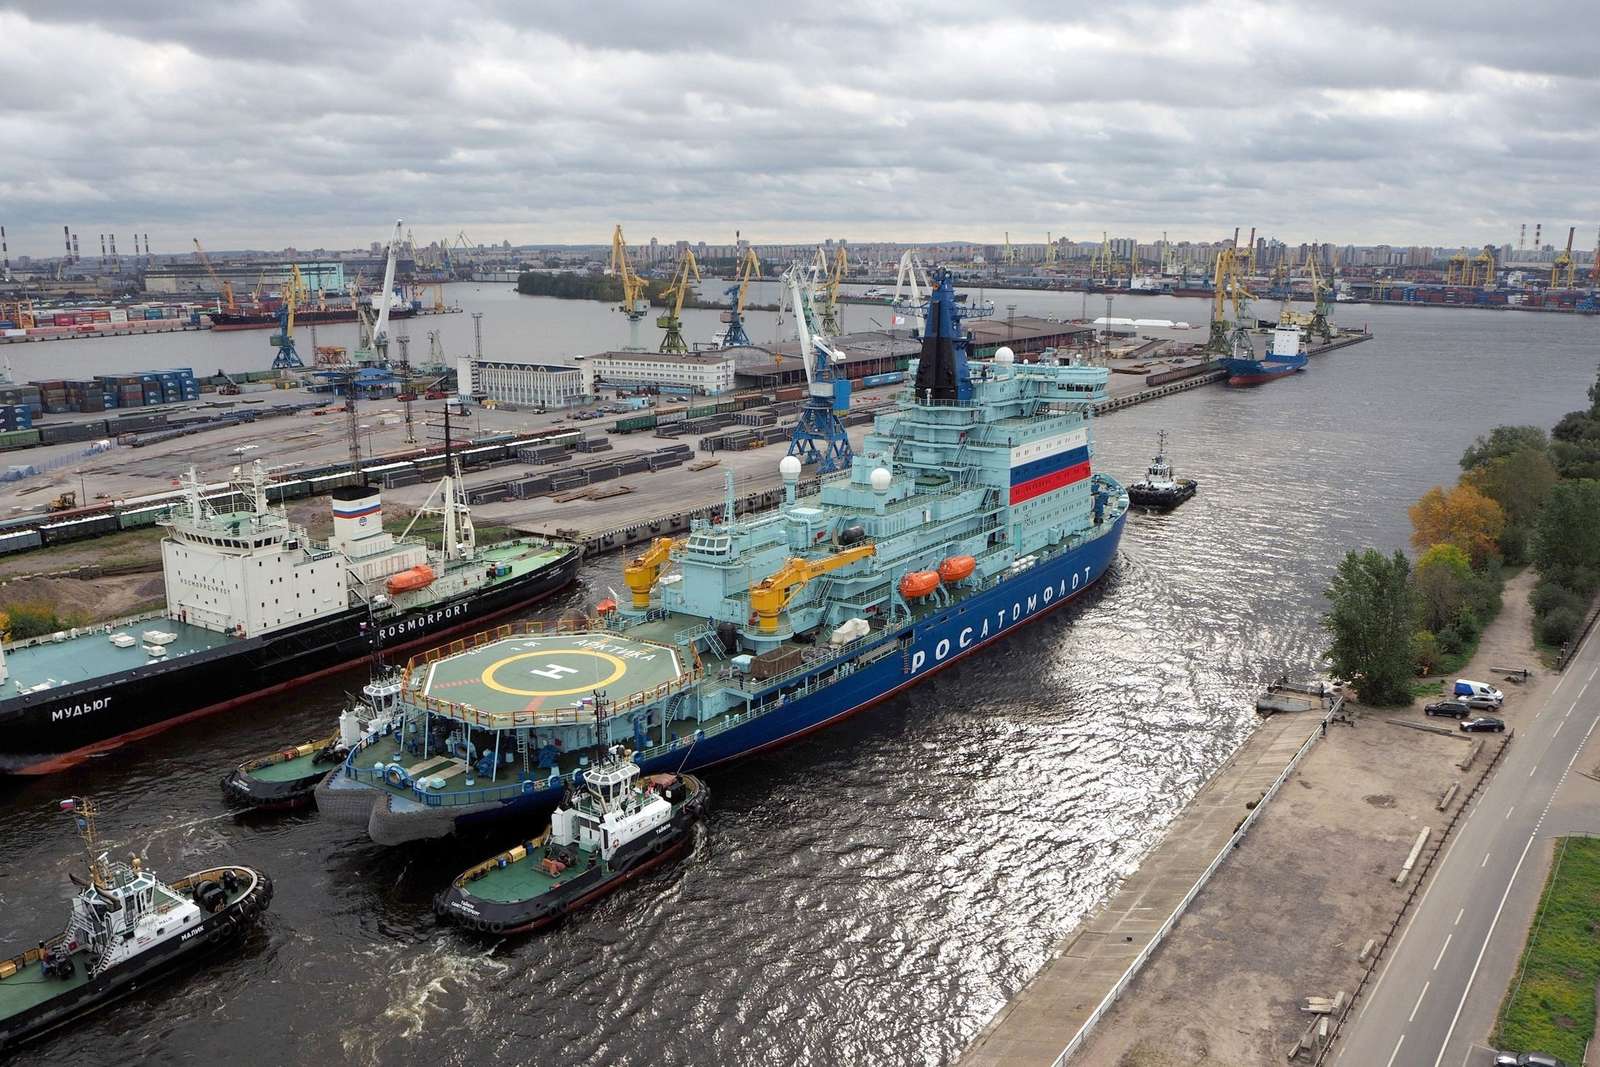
column 1551, row 1009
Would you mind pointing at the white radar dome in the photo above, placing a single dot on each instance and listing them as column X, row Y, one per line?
column 881, row 479
column 789, row 467
column 1004, row 354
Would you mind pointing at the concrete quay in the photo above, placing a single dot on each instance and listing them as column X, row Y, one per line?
column 1037, row 1024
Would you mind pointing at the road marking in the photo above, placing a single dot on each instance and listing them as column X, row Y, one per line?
column 1485, row 862
column 1559, row 725
column 1535, row 766
column 1418, row 1004
column 1509, row 810
column 1396, row 1051
column 1460, row 913
column 1442, row 947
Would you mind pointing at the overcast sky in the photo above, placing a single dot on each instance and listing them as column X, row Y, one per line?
column 284, row 122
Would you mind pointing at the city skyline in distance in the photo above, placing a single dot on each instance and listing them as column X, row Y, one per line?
column 939, row 124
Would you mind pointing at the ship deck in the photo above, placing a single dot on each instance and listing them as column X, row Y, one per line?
column 526, row 879
column 550, row 673
column 290, row 770
column 30, row 986
column 92, row 655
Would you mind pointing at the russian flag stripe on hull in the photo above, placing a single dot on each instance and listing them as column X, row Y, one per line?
column 1048, row 482
column 1037, row 468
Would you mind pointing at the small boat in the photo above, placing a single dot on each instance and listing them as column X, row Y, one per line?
column 1158, row 489
column 127, row 928
column 614, row 829
column 286, row 779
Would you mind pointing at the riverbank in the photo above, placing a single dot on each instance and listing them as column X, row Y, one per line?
column 1288, row 915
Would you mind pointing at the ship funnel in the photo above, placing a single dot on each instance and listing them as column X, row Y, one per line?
column 357, row 515
column 942, row 367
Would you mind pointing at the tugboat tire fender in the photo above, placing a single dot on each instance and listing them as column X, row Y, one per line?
column 495, row 927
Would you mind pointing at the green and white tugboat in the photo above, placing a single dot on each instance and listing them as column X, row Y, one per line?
column 127, row 930
column 287, row 779
column 614, row 829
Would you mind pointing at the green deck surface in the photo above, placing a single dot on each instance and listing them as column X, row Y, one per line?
column 30, row 987
column 550, row 672
column 92, row 655
column 289, row 770
column 525, row 879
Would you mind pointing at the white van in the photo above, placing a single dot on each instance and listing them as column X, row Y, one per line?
column 1477, row 694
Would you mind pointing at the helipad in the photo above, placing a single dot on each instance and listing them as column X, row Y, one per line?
column 550, row 672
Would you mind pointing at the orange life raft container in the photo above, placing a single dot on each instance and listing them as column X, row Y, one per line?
column 919, row 584
column 418, row 577
column 956, row 568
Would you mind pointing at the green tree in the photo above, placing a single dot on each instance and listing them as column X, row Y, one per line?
column 1566, row 538
column 1503, row 441
column 1442, row 579
column 1370, row 620
column 1518, row 481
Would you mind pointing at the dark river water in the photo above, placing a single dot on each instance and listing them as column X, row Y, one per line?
column 873, row 893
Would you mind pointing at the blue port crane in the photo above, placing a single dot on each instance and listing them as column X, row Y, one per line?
column 293, row 289
column 749, row 269
column 819, row 437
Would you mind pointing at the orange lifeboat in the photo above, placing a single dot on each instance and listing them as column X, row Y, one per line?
column 418, row 577
column 919, row 584
column 956, row 568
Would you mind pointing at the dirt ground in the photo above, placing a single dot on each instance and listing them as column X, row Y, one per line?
column 1284, row 918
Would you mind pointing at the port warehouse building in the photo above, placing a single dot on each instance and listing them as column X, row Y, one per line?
column 535, row 385
column 324, row 274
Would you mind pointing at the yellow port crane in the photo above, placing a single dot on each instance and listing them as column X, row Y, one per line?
column 1049, row 249
column 1455, row 269
column 1564, row 272
column 633, row 303
column 1103, row 262
column 677, row 292
column 225, row 288
column 773, row 593
column 829, row 310
column 1481, row 272
column 1227, row 287
column 642, row 574
column 1011, row 253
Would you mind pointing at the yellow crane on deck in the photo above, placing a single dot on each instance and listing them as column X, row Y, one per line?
column 773, row 593
column 672, row 321
column 225, row 288
column 642, row 574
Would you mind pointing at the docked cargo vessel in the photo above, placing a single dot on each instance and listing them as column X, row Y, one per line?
column 127, row 928
column 254, row 605
column 265, row 319
column 1285, row 355
column 971, row 510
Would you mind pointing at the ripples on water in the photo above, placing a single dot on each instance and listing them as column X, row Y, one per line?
column 873, row 893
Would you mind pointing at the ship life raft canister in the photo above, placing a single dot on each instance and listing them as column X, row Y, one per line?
column 955, row 568
column 918, row 584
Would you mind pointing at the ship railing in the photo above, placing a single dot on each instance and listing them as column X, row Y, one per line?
column 513, row 720
column 110, row 626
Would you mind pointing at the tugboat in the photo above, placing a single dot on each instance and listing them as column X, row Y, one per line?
column 1159, row 490
column 615, row 829
column 127, row 929
column 286, row 779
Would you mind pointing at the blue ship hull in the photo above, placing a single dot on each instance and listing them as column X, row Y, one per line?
column 1256, row 371
column 935, row 642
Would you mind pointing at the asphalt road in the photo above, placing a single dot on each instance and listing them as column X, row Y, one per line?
column 1434, row 1001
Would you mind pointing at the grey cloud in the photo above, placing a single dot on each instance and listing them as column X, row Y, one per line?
column 1429, row 122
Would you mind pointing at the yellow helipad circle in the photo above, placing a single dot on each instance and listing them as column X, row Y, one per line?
column 618, row 670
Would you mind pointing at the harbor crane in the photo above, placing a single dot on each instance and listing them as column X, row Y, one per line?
column 1227, row 287
column 1455, row 269
column 294, row 291
column 1049, row 249
column 1103, row 261
column 819, row 437
column 677, row 292
column 1564, row 272
column 1482, row 270
column 634, row 305
column 373, row 312
column 770, row 596
column 223, row 288
column 828, row 313
column 749, row 268
column 1010, row 253
column 642, row 574
column 912, row 280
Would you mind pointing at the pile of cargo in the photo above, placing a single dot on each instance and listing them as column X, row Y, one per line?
column 746, row 437
column 107, row 391
column 92, row 321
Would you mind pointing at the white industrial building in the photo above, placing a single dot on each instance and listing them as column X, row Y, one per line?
column 527, row 385
column 702, row 373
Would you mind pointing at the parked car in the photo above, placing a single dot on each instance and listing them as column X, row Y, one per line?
column 1453, row 708
column 1477, row 694
column 1527, row 1059
column 1485, row 724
